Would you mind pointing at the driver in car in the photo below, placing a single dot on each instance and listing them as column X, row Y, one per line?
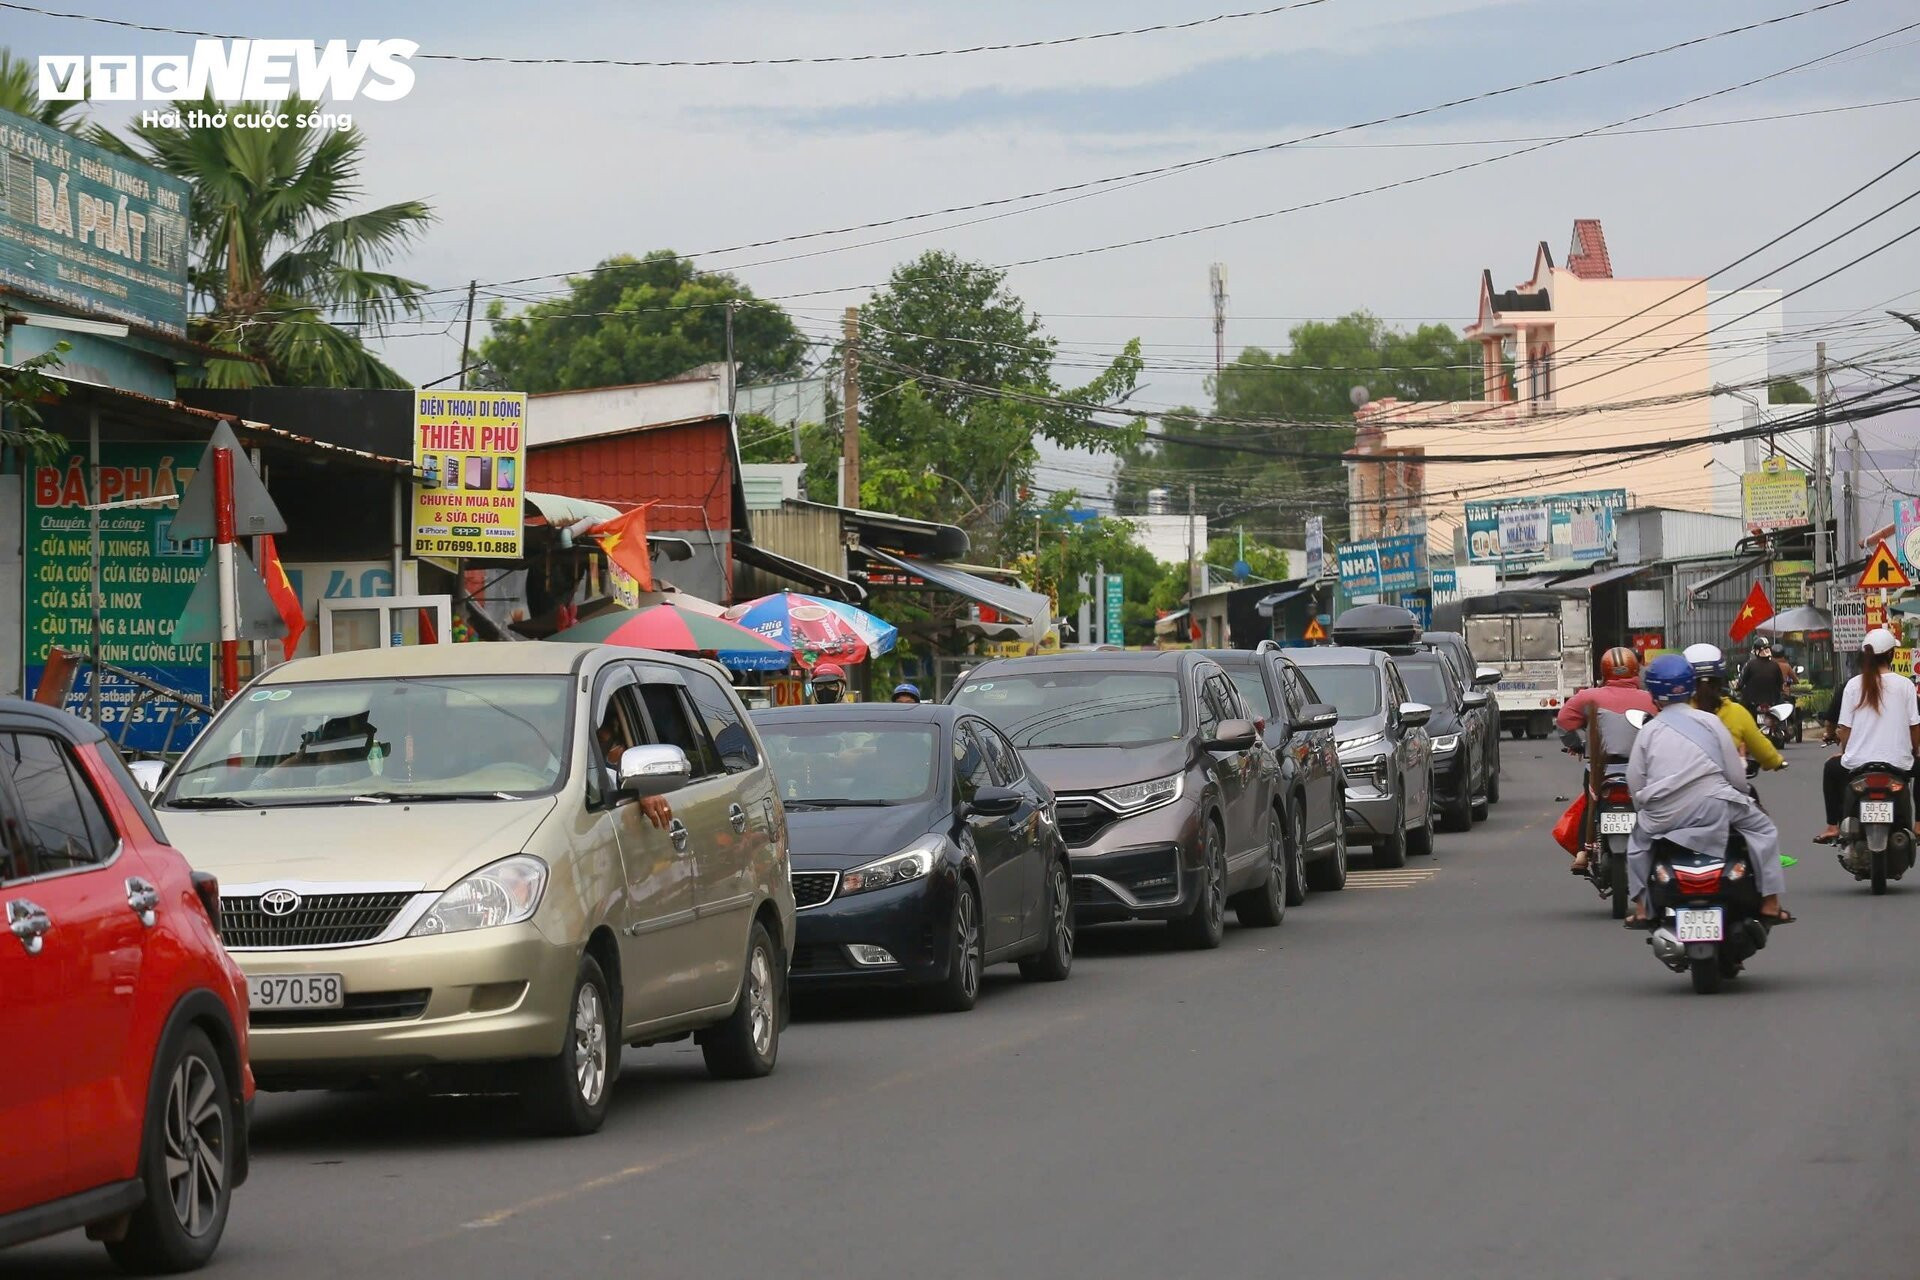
column 611, row 736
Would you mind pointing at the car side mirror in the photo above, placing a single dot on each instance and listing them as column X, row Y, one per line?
column 148, row 773
column 1233, row 735
column 1319, row 715
column 1415, row 714
column 993, row 802
column 1486, row 676
column 653, row 770
column 1474, row 699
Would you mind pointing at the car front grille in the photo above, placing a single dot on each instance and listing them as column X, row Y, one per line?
column 813, row 888
column 321, row 920
column 360, row 1006
column 1081, row 821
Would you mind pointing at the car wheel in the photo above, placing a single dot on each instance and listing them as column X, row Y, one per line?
column 567, row 1093
column 1493, row 773
column 1329, row 874
column 1420, row 839
column 965, row 965
column 186, row 1162
column 1457, row 815
column 747, row 1044
column 1266, row 906
column 1205, row 926
column 1391, row 853
column 1056, row 962
column 1297, row 856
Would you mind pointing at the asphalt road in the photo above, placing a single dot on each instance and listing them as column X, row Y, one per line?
column 1473, row 1073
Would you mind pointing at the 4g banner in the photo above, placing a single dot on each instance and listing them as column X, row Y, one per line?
column 470, row 448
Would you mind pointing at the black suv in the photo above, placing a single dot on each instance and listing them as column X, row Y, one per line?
column 1298, row 728
column 1459, row 756
column 1485, row 720
column 1164, row 791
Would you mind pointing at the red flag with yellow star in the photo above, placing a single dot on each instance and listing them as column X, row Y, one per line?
column 1755, row 611
column 624, row 539
column 280, row 591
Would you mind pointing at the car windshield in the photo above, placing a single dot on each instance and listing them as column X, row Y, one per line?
column 1353, row 690
column 1103, row 707
column 1253, row 691
column 1425, row 683
column 338, row 741
column 836, row 763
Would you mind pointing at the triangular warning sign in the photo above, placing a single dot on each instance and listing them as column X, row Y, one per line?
column 1883, row 572
column 1315, row 631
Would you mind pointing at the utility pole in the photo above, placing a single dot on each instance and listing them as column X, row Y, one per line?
column 1820, row 487
column 1217, row 279
column 850, row 409
column 1193, row 573
column 466, row 345
column 732, row 389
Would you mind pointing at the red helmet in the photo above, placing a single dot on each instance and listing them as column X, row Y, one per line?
column 828, row 671
column 1619, row 663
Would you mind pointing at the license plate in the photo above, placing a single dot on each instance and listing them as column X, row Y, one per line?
column 1699, row 924
column 1618, row 823
column 296, row 991
column 1876, row 811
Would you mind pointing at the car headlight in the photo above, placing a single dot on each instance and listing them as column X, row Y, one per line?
column 911, row 863
column 1137, row 796
column 1371, row 770
column 1355, row 744
column 1446, row 744
column 504, row 893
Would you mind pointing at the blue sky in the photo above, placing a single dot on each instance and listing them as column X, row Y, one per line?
column 543, row 169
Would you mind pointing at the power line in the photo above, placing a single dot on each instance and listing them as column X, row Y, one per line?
column 661, row 63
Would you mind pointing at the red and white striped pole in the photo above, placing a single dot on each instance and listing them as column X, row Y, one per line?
column 223, row 566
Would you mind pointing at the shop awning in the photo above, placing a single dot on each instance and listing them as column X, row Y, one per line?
column 1014, row 602
column 896, row 533
column 1746, row 566
column 559, row 510
column 1170, row 624
column 1267, row 604
column 816, row 580
column 1598, row 578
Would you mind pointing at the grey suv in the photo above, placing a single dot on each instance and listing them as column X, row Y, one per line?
column 1164, row 792
column 1385, row 755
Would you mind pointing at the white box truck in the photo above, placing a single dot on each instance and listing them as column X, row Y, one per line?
column 1542, row 644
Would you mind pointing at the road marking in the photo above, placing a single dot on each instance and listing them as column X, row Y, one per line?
column 1389, row 879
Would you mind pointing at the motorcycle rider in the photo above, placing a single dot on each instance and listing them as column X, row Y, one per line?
column 1879, row 724
column 1602, row 708
column 1690, row 788
column 1709, row 695
column 907, row 693
column 829, row 684
column 1762, row 683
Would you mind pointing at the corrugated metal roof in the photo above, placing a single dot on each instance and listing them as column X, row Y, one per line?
column 683, row 470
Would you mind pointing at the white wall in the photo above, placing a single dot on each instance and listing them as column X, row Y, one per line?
column 601, row 411
column 1738, row 355
column 1165, row 537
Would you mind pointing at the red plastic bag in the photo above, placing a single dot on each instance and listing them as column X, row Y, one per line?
column 1571, row 831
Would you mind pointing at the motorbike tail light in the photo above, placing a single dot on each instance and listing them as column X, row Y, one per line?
column 1878, row 786
column 207, row 886
column 1699, row 883
column 1616, row 793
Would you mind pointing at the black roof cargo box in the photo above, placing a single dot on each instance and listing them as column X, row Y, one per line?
column 1377, row 626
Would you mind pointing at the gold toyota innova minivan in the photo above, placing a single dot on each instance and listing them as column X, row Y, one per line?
column 492, row 865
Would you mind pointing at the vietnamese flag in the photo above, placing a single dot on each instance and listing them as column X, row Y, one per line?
column 624, row 539
column 1755, row 611
column 280, row 591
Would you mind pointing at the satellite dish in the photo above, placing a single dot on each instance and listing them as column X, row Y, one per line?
column 1359, row 396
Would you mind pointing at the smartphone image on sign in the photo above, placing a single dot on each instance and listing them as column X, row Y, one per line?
column 503, row 475
column 450, row 472
column 479, row 472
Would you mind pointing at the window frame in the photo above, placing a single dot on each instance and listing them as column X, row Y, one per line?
column 1001, row 754
column 16, row 807
column 705, row 759
column 739, row 720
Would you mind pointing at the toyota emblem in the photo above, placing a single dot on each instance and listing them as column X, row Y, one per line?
column 279, row 902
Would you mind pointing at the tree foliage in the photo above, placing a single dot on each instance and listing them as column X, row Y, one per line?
column 956, row 388
column 1069, row 549
column 20, row 94
column 1305, row 396
column 24, row 389
column 640, row 320
column 1264, row 560
column 286, row 274
column 1787, row 391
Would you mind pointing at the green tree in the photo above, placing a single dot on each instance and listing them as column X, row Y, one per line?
column 1787, row 391
column 1263, row 559
column 1070, row 549
column 956, row 388
column 20, row 94
column 640, row 320
column 24, row 389
column 288, row 277
column 1300, row 398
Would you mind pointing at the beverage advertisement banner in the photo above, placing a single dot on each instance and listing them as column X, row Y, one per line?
column 83, row 226
column 145, row 581
column 470, row 447
column 1561, row 526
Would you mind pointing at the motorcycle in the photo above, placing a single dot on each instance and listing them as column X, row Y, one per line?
column 1612, row 816
column 1705, row 909
column 1780, row 722
column 1876, row 829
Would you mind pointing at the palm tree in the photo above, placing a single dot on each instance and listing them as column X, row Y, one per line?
column 20, row 94
column 284, row 274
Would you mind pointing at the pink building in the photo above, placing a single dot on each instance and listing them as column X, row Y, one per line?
column 1574, row 358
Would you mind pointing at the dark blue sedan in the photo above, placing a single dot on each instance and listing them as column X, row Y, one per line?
column 923, row 850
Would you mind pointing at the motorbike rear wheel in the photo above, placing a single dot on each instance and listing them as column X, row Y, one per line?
column 1877, row 869
column 1706, row 974
column 1617, row 884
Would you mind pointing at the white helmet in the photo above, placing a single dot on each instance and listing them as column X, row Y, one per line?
column 1706, row 660
column 1881, row 641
